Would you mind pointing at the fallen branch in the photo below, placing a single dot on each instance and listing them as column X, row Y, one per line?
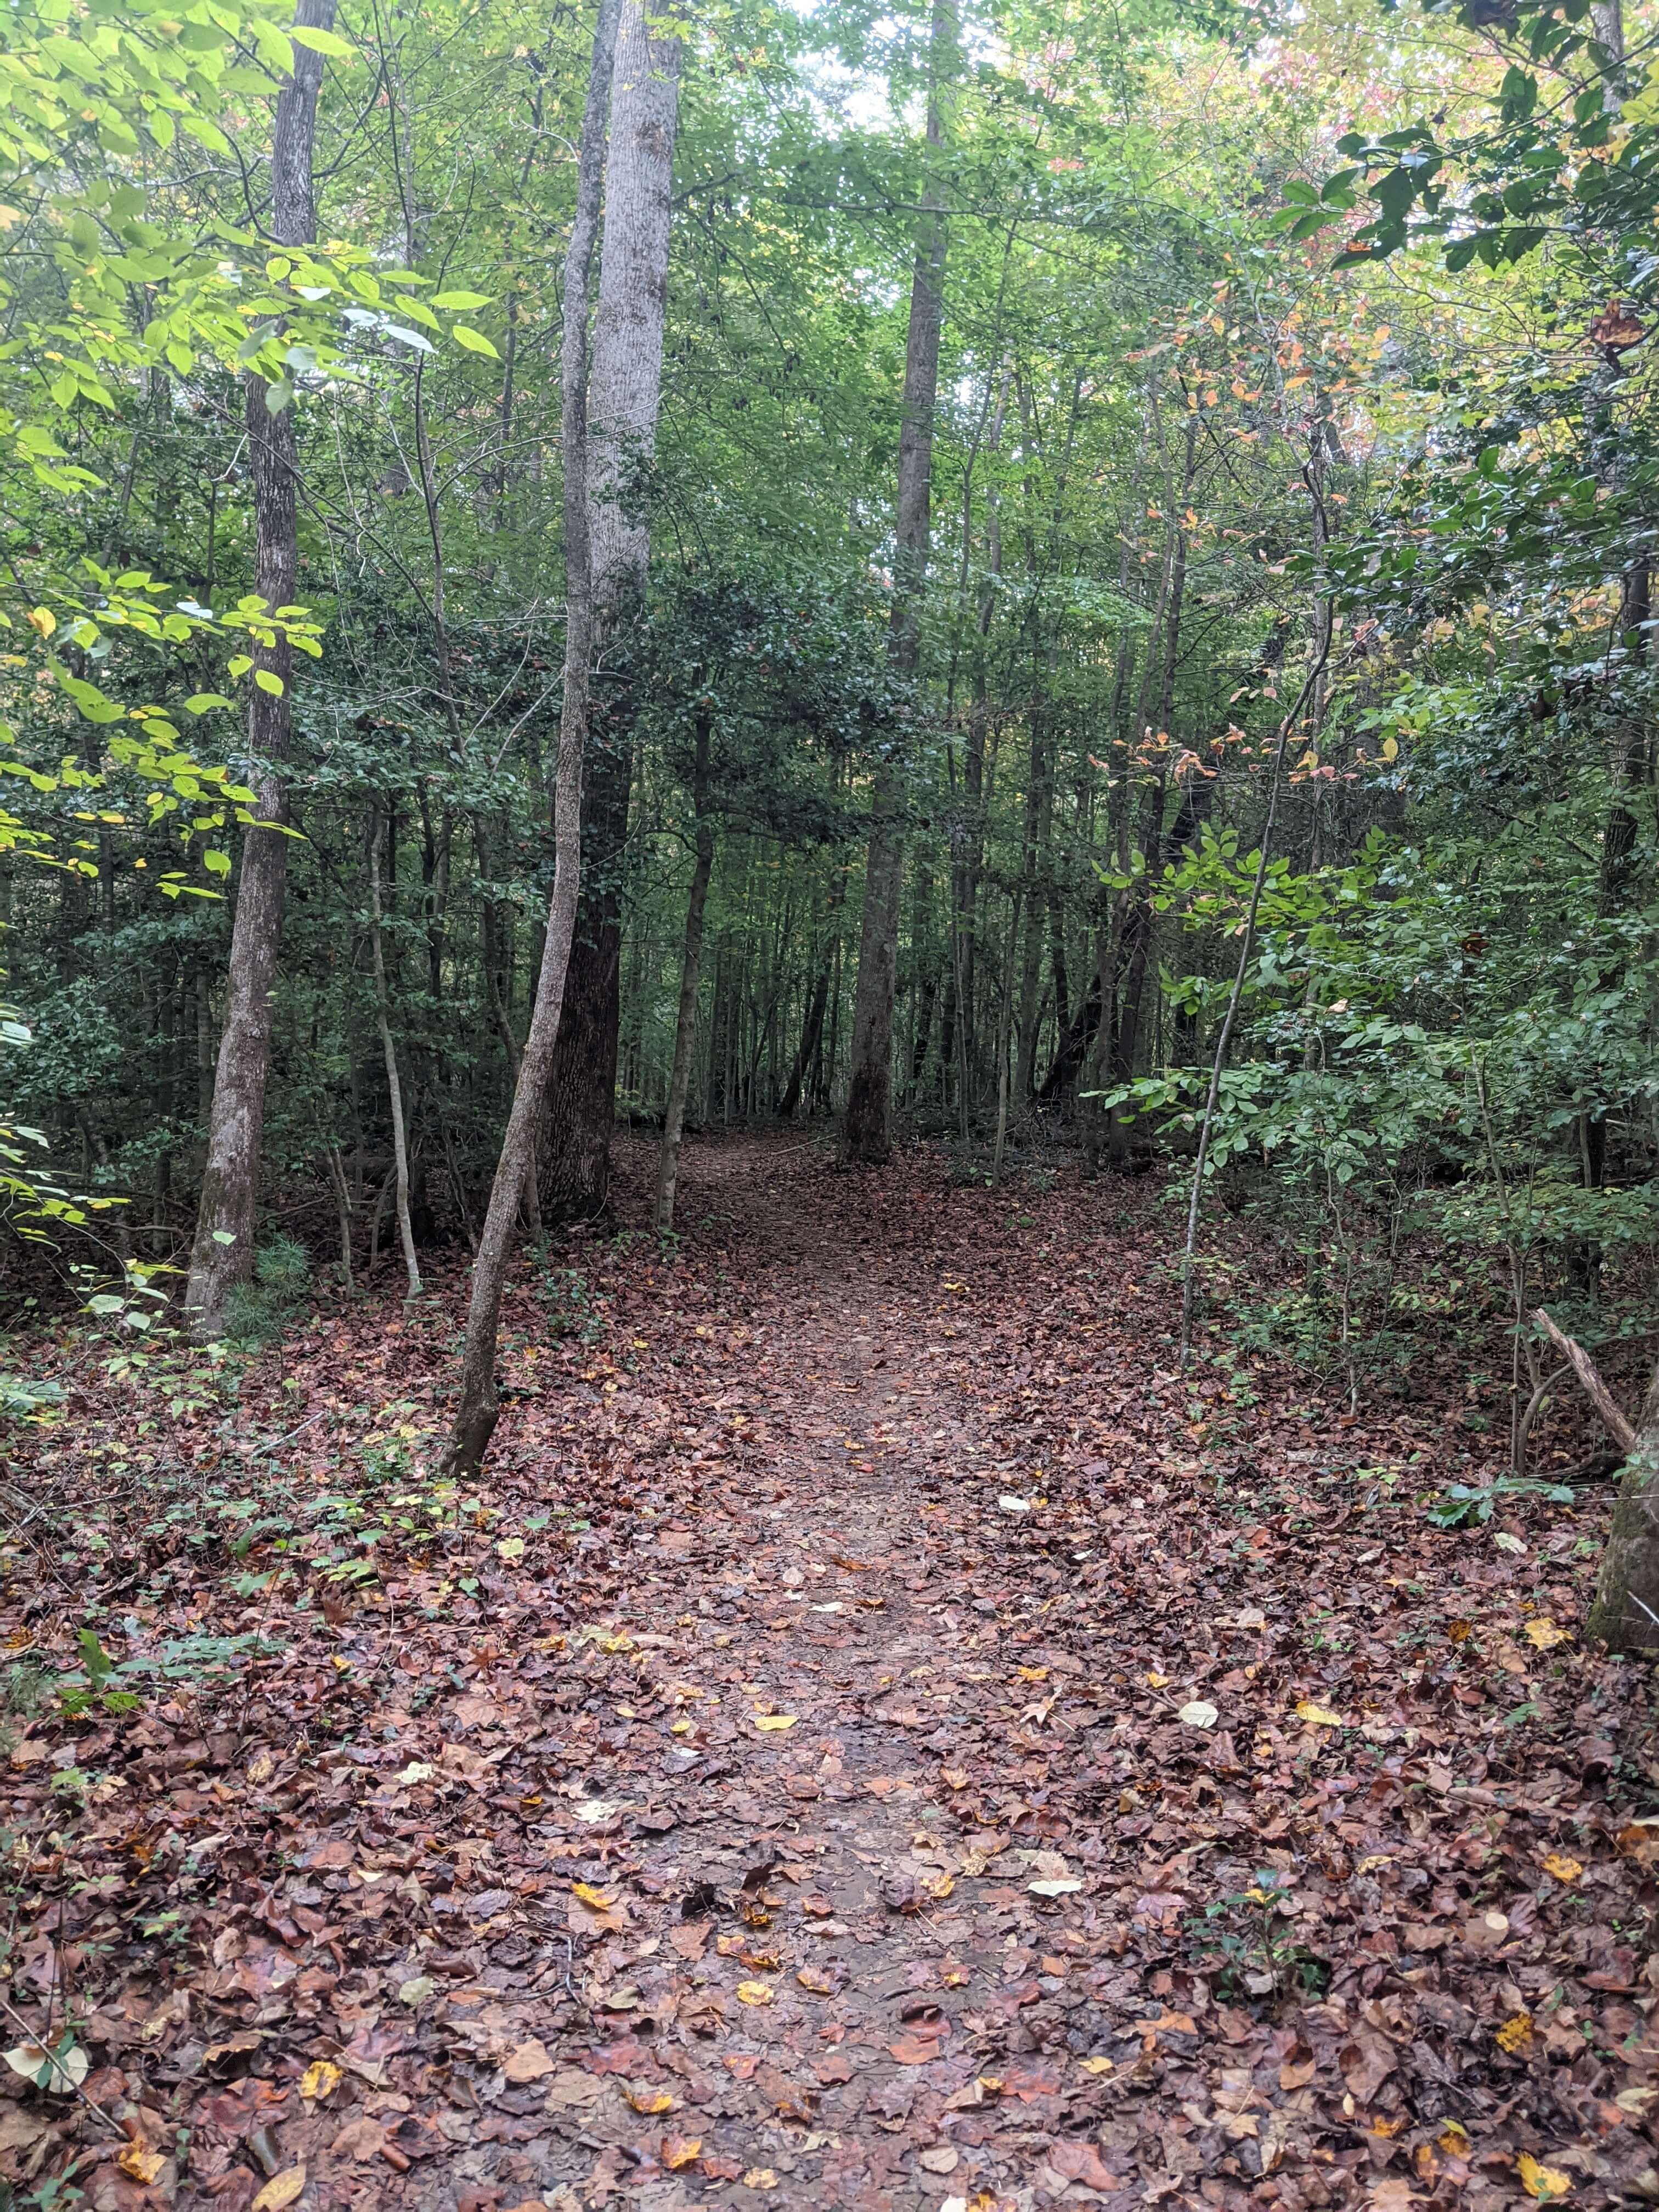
column 1595, row 1389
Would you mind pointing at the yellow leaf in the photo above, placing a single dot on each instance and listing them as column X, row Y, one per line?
column 1390, row 749
column 681, row 2150
column 1317, row 1716
column 1096, row 2065
column 754, row 1993
column 1516, row 2034
column 771, row 1722
column 281, row 2189
column 760, row 2177
column 1543, row 1634
column 1563, row 1867
column 321, row 2079
column 644, row 2099
column 814, row 1979
column 139, row 2163
column 43, row 619
column 594, row 1899
column 1546, row 2183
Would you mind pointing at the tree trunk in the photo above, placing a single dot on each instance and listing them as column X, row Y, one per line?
column 627, row 382
column 479, row 1404
column 685, row 1032
column 1625, row 1611
column 394, row 1087
column 867, row 1128
column 222, row 1254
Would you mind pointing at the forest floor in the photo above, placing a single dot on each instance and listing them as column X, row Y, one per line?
column 876, row 1739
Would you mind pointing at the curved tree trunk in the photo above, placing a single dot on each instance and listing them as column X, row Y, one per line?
column 222, row 1254
column 479, row 1404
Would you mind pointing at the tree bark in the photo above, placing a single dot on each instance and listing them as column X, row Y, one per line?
column 394, row 1087
column 1625, row 1612
column 479, row 1404
column 867, row 1128
column 222, row 1254
column 626, row 387
column 685, row 1031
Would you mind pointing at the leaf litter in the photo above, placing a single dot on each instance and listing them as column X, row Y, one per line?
column 878, row 1738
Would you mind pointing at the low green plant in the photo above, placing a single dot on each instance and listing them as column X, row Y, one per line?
column 1250, row 1933
column 258, row 1313
column 1468, row 1505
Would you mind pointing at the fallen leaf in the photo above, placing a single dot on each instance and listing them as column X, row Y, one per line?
column 754, row 1993
column 281, row 2189
column 1516, row 2034
column 940, row 2160
column 773, row 1721
column 914, row 2050
column 760, row 2177
column 594, row 1899
column 1543, row 1634
column 1096, row 2065
column 1317, row 1716
column 814, row 1979
column 1066, row 1887
column 139, row 2163
column 1546, row 2183
column 320, row 2079
column 60, row 2073
column 644, row 2099
column 1563, row 1869
column 1201, row 1713
column 678, row 2151
column 527, row 2062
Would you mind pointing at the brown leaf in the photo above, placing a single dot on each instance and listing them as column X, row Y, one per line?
column 1366, row 2064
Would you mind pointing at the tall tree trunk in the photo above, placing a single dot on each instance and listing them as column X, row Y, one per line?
column 685, row 1030
column 627, row 382
column 812, row 1032
column 394, row 1087
column 478, row 1403
column 867, row 1128
column 222, row 1254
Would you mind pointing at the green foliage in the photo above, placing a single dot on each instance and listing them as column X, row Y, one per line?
column 1467, row 1507
column 259, row 1311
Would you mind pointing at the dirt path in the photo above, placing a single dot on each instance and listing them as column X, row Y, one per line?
column 876, row 1739
column 890, row 1943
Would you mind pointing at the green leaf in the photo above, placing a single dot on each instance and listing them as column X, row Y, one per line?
column 474, row 341
column 460, row 302
column 268, row 682
column 321, row 42
column 199, row 702
column 275, row 51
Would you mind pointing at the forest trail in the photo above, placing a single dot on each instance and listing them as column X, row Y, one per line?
column 742, row 1802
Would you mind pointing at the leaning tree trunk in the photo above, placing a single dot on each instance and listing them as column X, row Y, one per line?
column 627, row 384
column 222, row 1254
column 685, row 1031
column 479, row 1404
column 867, row 1128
